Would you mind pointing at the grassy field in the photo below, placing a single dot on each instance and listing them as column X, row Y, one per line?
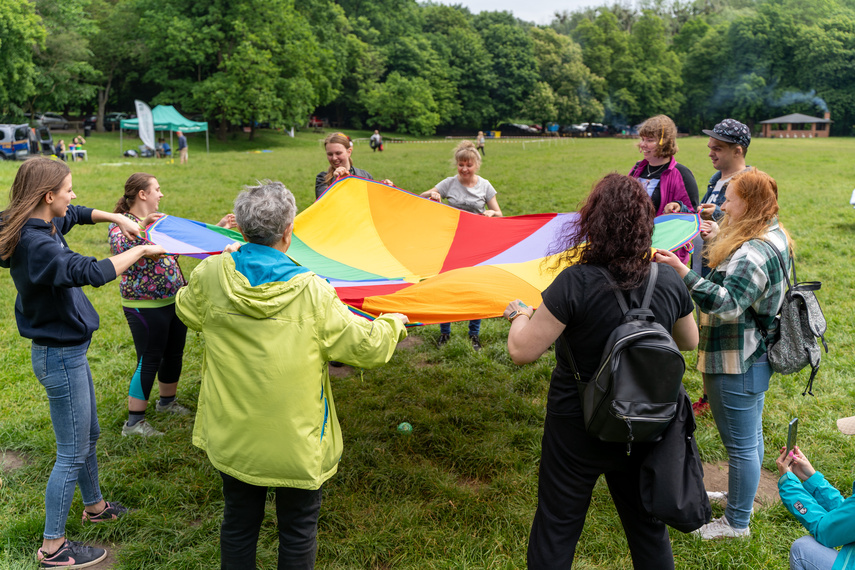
column 460, row 491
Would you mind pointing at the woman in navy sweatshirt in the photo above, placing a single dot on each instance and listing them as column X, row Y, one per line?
column 53, row 312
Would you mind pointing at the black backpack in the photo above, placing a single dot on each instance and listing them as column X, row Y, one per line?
column 633, row 395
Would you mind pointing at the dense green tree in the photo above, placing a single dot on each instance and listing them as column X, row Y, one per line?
column 541, row 106
column 655, row 81
column 20, row 33
column 825, row 61
column 243, row 62
column 467, row 61
column 402, row 103
column 514, row 66
column 571, row 83
column 116, row 48
column 64, row 75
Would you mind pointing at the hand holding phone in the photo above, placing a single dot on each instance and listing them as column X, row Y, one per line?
column 792, row 432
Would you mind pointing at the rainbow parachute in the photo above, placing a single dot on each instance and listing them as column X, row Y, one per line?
column 386, row 250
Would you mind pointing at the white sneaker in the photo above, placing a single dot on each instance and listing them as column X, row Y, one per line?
column 722, row 496
column 173, row 407
column 720, row 528
column 142, row 428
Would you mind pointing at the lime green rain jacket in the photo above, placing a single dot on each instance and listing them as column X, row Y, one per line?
column 266, row 414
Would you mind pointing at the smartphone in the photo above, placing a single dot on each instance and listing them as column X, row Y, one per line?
column 791, row 434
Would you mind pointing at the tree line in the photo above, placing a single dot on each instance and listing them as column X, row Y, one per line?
column 422, row 67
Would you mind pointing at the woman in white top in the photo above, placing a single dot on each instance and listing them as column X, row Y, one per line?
column 469, row 192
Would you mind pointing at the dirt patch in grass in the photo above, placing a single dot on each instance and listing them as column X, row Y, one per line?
column 342, row 371
column 108, row 563
column 411, row 341
column 11, row 460
column 715, row 479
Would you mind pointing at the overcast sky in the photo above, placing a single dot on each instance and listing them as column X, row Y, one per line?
column 537, row 11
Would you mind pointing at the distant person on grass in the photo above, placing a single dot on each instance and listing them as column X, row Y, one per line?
column 376, row 141
column 162, row 148
column 670, row 185
column 614, row 232
column 739, row 300
column 52, row 310
column 148, row 290
column 59, row 149
column 339, row 147
column 182, row 147
column 822, row 510
column 266, row 415
column 480, row 142
column 468, row 192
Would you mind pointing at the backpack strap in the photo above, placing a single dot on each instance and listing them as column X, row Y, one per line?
column 561, row 344
column 763, row 331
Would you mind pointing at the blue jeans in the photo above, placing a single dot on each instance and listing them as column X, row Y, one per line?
column 736, row 401
column 807, row 554
column 65, row 374
column 474, row 328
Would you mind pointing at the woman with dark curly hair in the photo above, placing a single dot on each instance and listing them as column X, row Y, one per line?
column 613, row 233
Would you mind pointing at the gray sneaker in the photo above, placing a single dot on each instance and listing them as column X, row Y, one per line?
column 141, row 428
column 173, row 407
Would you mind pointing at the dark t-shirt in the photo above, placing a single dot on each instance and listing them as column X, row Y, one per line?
column 649, row 178
column 581, row 299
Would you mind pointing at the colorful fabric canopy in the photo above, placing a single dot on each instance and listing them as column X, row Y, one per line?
column 386, row 250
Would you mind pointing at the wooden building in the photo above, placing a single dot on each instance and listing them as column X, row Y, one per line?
column 797, row 125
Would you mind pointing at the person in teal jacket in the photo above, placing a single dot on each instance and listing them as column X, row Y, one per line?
column 822, row 510
column 266, row 415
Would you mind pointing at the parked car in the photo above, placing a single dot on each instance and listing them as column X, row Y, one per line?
column 52, row 120
column 572, row 130
column 14, row 142
column 113, row 120
column 516, row 129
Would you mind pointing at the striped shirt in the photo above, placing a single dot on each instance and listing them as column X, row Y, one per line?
column 752, row 276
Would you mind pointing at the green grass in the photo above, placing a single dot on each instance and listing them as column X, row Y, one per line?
column 460, row 491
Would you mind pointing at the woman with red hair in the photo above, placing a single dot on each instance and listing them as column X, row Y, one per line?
column 739, row 300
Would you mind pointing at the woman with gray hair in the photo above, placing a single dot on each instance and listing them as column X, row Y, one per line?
column 266, row 416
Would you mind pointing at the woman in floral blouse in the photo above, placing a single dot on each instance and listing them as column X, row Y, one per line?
column 148, row 291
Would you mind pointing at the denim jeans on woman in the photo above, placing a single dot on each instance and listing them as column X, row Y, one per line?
column 474, row 328
column 736, row 401
column 65, row 374
column 807, row 554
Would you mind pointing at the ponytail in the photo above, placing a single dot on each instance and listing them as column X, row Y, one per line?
column 137, row 183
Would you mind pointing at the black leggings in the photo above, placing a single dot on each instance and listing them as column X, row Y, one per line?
column 159, row 337
column 571, row 462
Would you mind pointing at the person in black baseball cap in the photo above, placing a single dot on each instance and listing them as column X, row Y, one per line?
column 731, row 131
column 728, row 146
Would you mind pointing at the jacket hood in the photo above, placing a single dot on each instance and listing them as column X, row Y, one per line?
column 262, row 301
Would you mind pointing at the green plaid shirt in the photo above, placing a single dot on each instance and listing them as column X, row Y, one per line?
column 730, row 341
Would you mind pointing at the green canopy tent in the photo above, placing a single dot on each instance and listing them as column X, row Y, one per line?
column 166, row 118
